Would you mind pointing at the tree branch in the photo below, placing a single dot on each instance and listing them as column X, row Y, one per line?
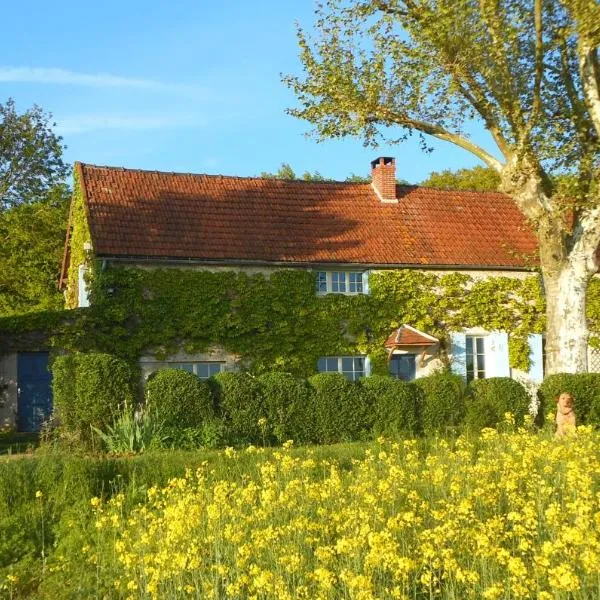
column 441, row 133
column 539, row 68
column 590, row 76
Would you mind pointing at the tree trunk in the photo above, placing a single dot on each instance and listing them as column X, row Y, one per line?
column 566, row 329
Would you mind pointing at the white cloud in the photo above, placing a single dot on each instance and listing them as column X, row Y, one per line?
column 93, row 122
column 57, row 76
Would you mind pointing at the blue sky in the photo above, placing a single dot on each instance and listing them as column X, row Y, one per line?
column 188, row 86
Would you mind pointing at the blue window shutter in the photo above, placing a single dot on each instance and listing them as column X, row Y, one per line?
column 536, row 358
column 83, row 299
column 496, row 355
column 365, row 282
column 459, row 353
column 367, row 366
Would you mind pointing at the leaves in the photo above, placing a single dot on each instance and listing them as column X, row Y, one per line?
column 30, row 155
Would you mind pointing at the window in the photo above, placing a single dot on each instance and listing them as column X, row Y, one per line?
column 204, row 369
column 403, row 366
column 342, row 282
column 352, row 367
column 475, row 356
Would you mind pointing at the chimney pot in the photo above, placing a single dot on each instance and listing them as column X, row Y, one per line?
column 383, row 178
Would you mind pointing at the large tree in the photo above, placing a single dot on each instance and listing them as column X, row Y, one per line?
column 481, row 179
column 32, row 238
column 30, row 155
column 528, row 70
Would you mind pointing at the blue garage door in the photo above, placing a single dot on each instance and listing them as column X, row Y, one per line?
column 35, row 393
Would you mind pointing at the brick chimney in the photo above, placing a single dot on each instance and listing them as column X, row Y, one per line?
column 383, row 178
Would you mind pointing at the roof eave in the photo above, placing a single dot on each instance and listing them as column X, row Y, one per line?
column 175, row 260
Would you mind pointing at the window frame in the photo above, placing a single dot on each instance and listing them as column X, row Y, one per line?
column 354, row 373
column 352, row 284
column 476, row 355
column 179, row 364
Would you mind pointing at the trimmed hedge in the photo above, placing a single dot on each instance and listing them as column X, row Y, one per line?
column 179, row 399
column 239, row 398
column 442, row 402
column 90, row 390
column 585, row 388
column 490, row 399
column 288, row 408
column 394, row 406
column 340, row 410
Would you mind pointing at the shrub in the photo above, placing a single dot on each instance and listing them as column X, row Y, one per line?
column 132, row 434
column 63, row 390
column 442, row 402
column 585, row 388
column 340, row 410
column 393, row 404
column 490, row 399
column 240, row 402
column 90, row 390
column 288, row 407
column 178, row 399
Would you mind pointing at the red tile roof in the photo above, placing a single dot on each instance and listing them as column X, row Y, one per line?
column 150, row 214
column 409, row 336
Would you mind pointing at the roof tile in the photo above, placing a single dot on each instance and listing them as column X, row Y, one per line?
column 213, row 217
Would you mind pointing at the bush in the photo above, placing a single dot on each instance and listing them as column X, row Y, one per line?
column 394, row 408
column 340, row 410
column 132, row 434
column 239, row 399
column 90, row 390
column 63, row 390
column 178, row 399
column 585, row 388
column 288, row 408
column 490, row 399
column 442, row 402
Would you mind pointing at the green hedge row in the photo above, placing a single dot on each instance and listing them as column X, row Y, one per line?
column 95, row 390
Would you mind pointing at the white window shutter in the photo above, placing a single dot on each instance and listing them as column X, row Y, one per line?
column 459, row 353
column 536, row 358
column 367, row 366
column 496, row 354
column 83, row 299
column 365, row 281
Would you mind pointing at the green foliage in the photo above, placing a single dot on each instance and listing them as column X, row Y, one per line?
column 393, row 404
column 481, row 179
column 30, row 155
column 442, row 402
column 178, row 399
column 340, row 410
column 490, row 399
column 90, row 391
column 240, row 400
column 286, row 172
column 585, row 388
column 280, row 323
column 288, row 407
column 32, row 238
column 80, row 236
column 132, row 433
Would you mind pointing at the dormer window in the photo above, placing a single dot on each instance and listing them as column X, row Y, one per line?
column 342, row 282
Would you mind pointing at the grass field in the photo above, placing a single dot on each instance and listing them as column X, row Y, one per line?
column 509, row 515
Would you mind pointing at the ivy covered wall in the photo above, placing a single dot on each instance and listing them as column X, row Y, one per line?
column 279, row 322
column 80, row 236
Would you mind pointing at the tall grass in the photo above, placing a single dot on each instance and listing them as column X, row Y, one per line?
column 504, row 515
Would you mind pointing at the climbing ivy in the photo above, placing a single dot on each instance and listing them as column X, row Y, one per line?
column 280, row 323
column 80, row 235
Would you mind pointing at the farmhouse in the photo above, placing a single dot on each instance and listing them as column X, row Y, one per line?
column 211, row 273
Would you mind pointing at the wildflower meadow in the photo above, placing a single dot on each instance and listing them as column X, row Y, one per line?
column 512, row 514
